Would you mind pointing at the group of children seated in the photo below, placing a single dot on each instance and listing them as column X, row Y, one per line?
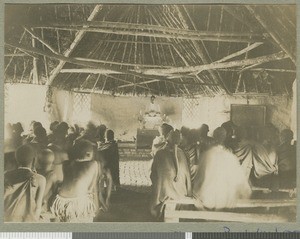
column 64, row 176
column 217, row 171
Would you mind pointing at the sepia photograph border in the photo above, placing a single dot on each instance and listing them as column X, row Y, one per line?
column 135, row 226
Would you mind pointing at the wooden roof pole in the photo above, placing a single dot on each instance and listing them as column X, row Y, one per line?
column 229, row 64
column 149, row 27
column 155, row 72
column 35, row 36
column 217, row 78
column 179, row 35
column 272, row 33
column 75, row 42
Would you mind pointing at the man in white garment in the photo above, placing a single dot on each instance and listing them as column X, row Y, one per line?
column 153, row 109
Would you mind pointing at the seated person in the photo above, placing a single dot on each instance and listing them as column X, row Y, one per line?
column 50, row 136
column 265, row 162
column 230, row 141
column 286, row 160
column 28, row 138
column 75, row 199
column 220, row 136
column 220, row 180
column 110, row 152
column 190, row 148
column 244, row 149
column 45, row 167
column 167, row 182
column 40, row 139
column 23, row 189
column 153, row 109
column 160, row 141
column 105, row 184
column 60, row 157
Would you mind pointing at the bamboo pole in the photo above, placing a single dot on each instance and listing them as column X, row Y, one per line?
column 145, row 27
column 75, row 42
column 261, row 69
column 217, row 77
column 34, row 35
column 189, row 69
column 90, row 71
column 241, row 52
column 35, row 75
column 237, row 16
column 17, row 54
column 158, row 72
column 179, row 35
column 139, row 83
column 175, row 48
column 272, row 33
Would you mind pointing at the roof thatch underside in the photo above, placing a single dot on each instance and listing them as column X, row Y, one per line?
column 157, row 49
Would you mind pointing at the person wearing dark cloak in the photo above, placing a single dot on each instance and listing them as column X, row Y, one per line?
column 23, row 189
column 110, row 152
column 163, row 173
column 160, row 141
column 286, row 160
column 191, row 149
column 244, row 149
column 230, row 141
column 51, row 136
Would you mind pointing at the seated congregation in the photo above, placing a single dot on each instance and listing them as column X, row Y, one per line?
column 69, row 174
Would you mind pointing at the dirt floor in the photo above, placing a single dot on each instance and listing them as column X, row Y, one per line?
column 127, row 206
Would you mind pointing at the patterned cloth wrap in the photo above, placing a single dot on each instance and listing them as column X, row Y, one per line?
column 79, row 209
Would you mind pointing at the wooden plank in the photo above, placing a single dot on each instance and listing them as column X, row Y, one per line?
column 172, row 216
column 247, row 203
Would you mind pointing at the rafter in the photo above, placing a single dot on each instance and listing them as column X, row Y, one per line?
column 75, row 42
column 272, row 33
column 35, row 36
column 230, row 64
column 241, row 52
column 143, row 27
column 215, row 37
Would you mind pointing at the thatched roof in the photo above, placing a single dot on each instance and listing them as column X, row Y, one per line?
column 157, row 49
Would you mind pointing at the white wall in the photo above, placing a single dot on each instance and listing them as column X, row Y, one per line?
column 215, row 111
column 24, row 103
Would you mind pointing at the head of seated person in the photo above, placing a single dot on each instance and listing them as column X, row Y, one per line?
column 25, row 155
column 61, row 130
column 165, row 129
column 203, row 130
column 40, row 133
column 110, row 135
column 220, row 135
column 83, row 150
column 53, row 126
column 173, row 138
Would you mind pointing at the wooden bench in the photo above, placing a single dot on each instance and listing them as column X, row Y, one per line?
column 174, row 215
